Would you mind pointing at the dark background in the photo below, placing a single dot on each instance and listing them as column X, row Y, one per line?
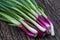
column 52, row 10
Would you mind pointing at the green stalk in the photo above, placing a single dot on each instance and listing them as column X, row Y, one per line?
column 9, row 23
column 1, row 18
column 25, row 16
column 29, row 7
column 30, row 19
column 9, row 11
column 23, row 9
column 38, row 8
column 19, row 19
column 33, row 6
column 9, row 18
column 42, row 12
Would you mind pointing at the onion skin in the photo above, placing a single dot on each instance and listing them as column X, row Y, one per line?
column 40, row 33
column 41, row 19
column 26, row 31
column 52, row 27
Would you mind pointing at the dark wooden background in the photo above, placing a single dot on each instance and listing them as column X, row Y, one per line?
column 52, row 10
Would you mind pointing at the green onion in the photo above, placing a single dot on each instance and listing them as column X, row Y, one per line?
column 23, row 14
column 26, row 14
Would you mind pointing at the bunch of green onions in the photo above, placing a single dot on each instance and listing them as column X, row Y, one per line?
column 27, row 15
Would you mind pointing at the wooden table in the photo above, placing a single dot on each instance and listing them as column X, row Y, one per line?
column 52, row 10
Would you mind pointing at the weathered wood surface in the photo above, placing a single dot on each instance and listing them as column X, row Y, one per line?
column 52, row 9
